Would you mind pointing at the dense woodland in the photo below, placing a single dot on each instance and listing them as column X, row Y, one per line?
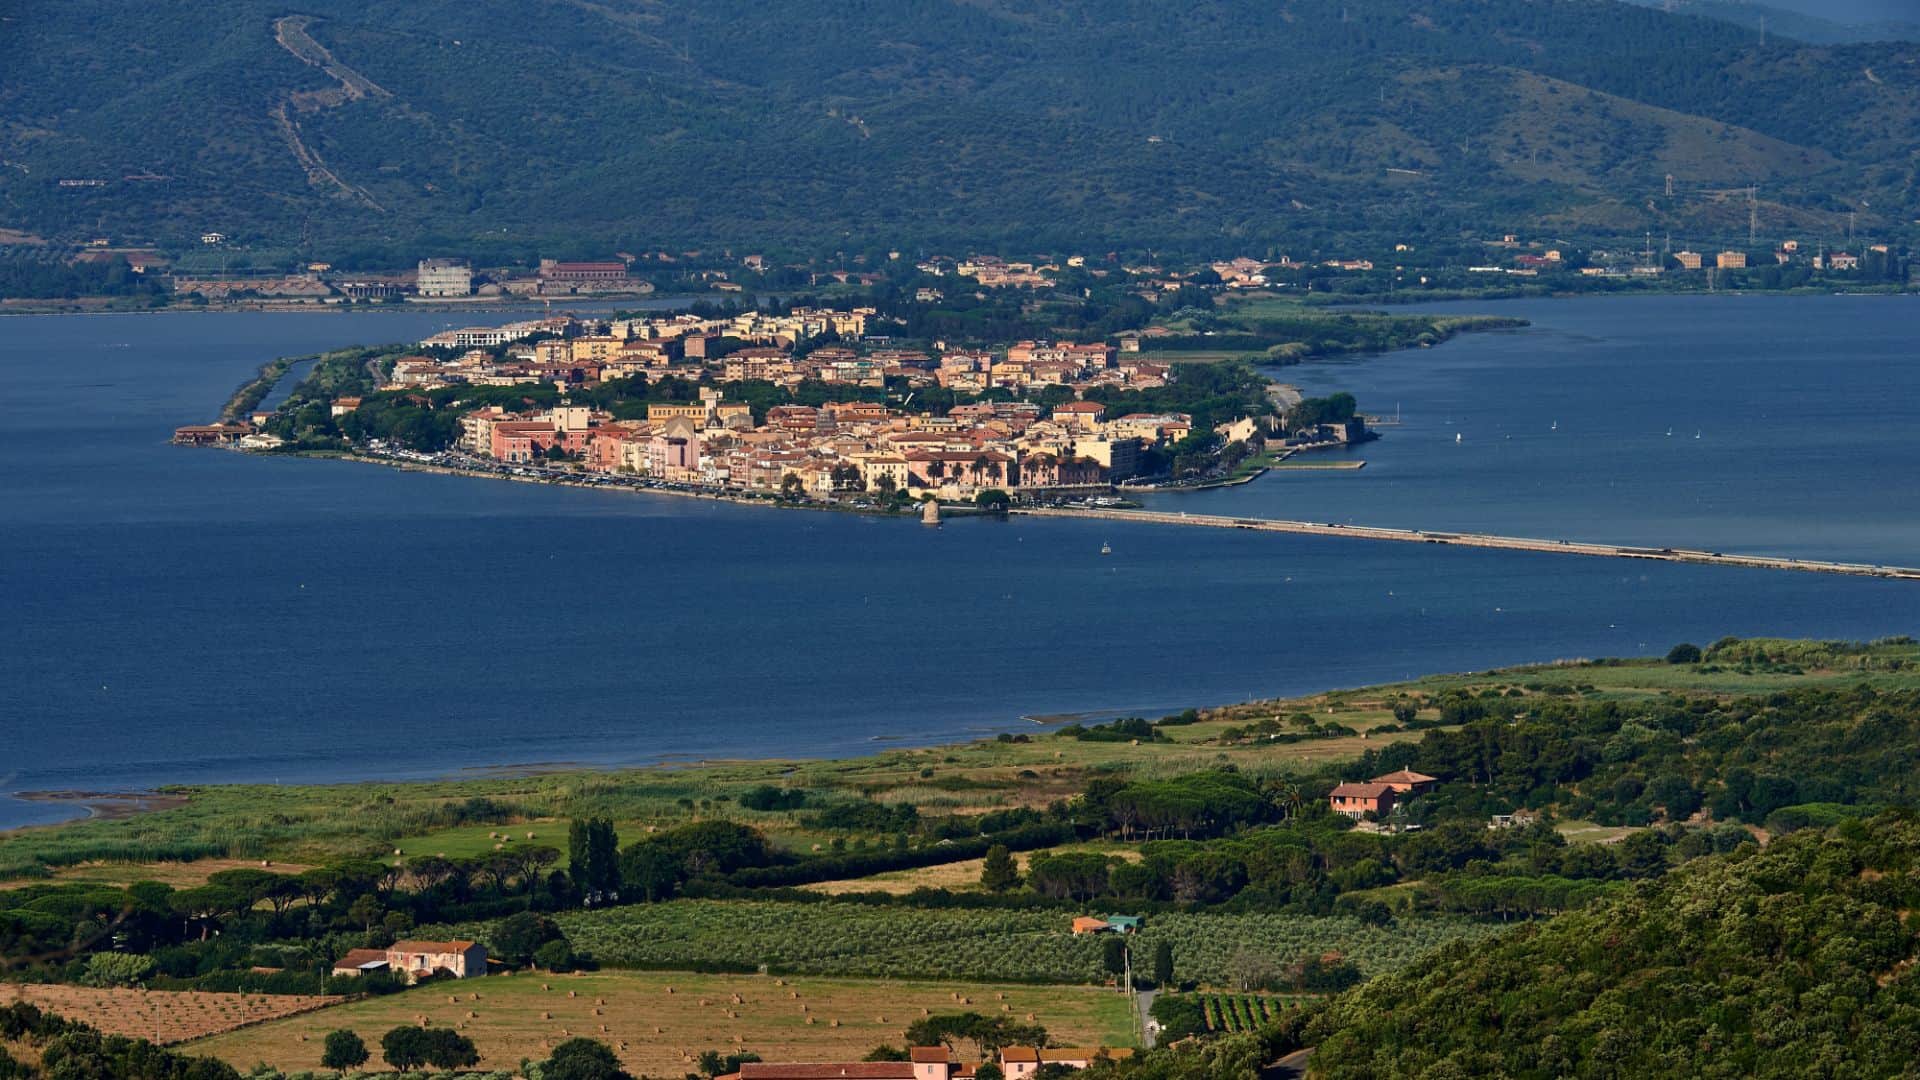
column 938, row 123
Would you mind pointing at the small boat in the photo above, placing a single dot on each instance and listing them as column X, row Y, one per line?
column 1456, row 438
column 1555, row 427
column 1696, row 434
column 1669, row 433
column 1106, row 549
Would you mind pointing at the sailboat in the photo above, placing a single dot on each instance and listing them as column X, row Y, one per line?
column 1696, row 433
column 1456, row 438
column 1106, row 549
column 1669, row 433
column 1555, row 427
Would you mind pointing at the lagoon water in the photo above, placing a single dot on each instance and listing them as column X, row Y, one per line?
column 181, row 616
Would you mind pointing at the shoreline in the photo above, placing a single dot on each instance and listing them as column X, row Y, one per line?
column 1316, row 300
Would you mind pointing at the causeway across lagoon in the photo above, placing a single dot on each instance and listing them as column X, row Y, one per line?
column 1482, row 540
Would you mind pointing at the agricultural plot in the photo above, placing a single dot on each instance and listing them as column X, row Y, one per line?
column 847, row 939
column 961, row 876
column 162, row 1016
column 660, row 1022
column 1243, row 1012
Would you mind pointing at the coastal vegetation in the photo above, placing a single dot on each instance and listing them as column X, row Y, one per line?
column 1698, row 769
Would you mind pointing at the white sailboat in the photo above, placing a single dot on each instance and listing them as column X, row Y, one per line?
column 1456, row 438
column 1106, row 549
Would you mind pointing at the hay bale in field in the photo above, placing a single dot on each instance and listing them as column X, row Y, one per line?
column 572, row 994
column 1030, row 1016
column 809, row 1021
column 669, row 989
column 833, row 1023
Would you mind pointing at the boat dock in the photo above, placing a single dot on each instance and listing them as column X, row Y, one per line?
column 1482, row 540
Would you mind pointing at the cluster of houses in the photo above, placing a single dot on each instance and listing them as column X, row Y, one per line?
column 837, row 447
column 803, row 345
column 932, row 1063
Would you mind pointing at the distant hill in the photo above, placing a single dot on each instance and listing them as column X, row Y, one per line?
column 1814, row 23
column 384, row 129
column 1795, row 961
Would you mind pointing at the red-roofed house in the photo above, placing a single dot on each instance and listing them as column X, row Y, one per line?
column 1357, row 800
column 1407, row 782
column 1017, row 1061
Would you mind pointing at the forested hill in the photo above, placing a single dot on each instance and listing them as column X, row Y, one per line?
column 911, row 123
column 1795, row 961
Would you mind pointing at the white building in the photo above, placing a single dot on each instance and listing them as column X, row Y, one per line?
column 444, row 277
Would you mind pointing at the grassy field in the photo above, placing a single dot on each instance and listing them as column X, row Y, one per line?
column 658, row 1023
column 180, row 875
column 309, row 825
column 160, row 1015
column 954, row 877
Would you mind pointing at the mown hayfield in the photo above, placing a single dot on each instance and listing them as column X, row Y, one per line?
column 659, row 1022
column 963, row 876
column 180, row 875
column 163, row 1016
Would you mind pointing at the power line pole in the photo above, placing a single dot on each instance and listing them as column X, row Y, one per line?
column 1753, row 214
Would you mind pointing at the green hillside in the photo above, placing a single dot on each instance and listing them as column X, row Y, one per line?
column 1795, row 961
column 598, row 124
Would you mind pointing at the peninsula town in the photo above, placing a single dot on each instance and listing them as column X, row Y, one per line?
column 1001, row 387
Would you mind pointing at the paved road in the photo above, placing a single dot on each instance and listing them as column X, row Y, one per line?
column 1291, row 1066
column 1144, row 999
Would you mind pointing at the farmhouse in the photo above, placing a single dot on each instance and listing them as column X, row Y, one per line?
column 1358, row 800
column 460, row 959
column 1106, row 924
column 1407, row 782
column 360, row 962
column 1018, row 1061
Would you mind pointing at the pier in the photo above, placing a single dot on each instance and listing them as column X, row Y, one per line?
column 1482, row 540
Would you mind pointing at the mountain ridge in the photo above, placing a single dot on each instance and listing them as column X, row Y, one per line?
column 936, row 122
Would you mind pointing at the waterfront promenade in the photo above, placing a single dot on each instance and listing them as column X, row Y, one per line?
column 1482, row 540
